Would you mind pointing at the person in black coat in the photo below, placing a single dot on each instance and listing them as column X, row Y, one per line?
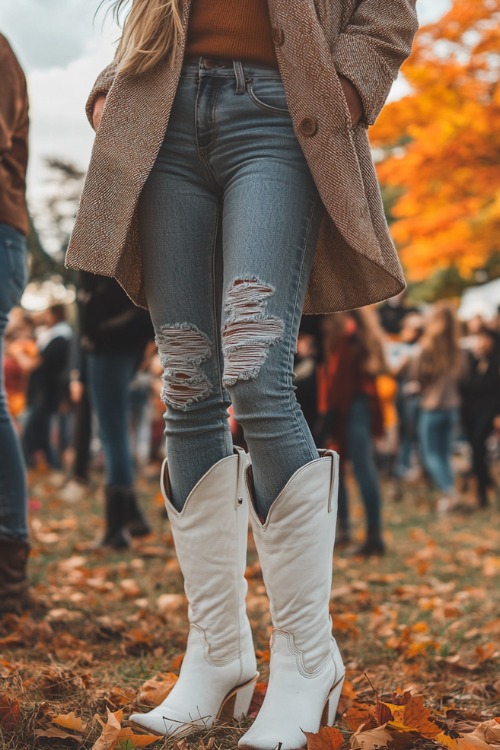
column 113, row 335
column 47, row 386
column 481, row 405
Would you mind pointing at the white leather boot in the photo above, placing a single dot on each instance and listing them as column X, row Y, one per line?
column 295, row 546
column 218, row 674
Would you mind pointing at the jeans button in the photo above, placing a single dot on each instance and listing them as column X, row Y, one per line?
column 308, row 126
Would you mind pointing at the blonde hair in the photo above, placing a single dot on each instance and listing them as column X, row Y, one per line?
column 150, row 34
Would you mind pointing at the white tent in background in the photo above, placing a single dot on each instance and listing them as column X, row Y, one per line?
column 481, row 300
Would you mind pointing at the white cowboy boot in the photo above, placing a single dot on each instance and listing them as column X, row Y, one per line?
column 295, row 546
column 218, row 674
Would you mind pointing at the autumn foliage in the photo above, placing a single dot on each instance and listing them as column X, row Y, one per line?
column 439, row 146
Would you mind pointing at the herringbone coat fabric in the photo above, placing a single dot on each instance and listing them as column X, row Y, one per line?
column 315, row 40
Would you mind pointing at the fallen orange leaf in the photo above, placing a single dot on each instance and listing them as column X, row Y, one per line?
column 418, row 718
column 176, row 662
column 110, row 731
column 9, row 712
column 328, row 738
column 412, row 717
column 155, row 690
column 489, row 731
column 138, row 740
column 486, row 652
column 69, row 721
column 56, row 733
column 348, row 697
column 371, row 739
column 358, row 716
column 463, row 742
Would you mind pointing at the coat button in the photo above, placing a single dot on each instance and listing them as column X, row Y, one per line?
column 278, row 36
column 308, row 126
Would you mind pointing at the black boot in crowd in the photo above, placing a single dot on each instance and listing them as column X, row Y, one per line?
column 124, row 518
column 138, row 524
column 14, row 591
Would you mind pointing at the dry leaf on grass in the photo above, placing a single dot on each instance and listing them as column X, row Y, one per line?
column 56, row 681
column 120, row 696
column 176, row 662
column 61, row 614
column 487, row 651
column 130, row 588
column 69, row 721
column 114, row 735
column 155, row 690
column 328, row 738
column 463, row 742
column 137, row 740
column 358, row 716
column 110, row 730
column 168, row 603
column 59, row 734
column 489, row 731
column 9, row 712
column 413, row 717
column 7, row 668
column 347, row 698
column 371, row 739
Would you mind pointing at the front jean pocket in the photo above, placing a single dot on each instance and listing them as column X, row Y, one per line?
column 268, row 94
column 13, row 270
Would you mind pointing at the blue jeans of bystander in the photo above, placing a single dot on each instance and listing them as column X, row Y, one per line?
column 13, row 493
column 360, row 451
column 109, row 377
column 436, row 430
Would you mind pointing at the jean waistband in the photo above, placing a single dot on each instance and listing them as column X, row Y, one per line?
column 225, row 68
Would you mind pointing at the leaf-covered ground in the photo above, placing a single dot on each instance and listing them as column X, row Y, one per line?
column 422, row 621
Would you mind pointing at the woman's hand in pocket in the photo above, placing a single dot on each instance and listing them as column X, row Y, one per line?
column 353, row 99
column 98, row 110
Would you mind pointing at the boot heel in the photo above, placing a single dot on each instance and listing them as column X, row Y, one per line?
column 331, row 705
column 237, row 703
column 243, row 699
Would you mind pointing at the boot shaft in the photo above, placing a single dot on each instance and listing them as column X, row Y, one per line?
column 210, row 537
column 295, row 546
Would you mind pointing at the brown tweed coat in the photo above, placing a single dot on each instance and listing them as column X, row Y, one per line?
column 364, row 40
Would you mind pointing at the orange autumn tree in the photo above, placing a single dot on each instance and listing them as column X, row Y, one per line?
column 439, row 145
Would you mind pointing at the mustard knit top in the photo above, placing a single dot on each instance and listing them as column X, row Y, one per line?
column 231, row 29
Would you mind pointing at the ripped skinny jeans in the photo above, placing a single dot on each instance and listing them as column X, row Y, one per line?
column 228, row 221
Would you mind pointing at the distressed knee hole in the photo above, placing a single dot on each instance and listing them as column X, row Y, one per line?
column 248, row 332
column 182, row 348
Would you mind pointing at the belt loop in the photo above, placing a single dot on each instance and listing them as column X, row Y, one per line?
column 240, row 76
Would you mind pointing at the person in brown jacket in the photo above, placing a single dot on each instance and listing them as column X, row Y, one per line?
column 14, row 548
column 231, row 186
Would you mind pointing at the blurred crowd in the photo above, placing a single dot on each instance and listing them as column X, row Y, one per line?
column 405, row 394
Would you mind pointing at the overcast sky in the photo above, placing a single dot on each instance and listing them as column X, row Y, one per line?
column 62, row 49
